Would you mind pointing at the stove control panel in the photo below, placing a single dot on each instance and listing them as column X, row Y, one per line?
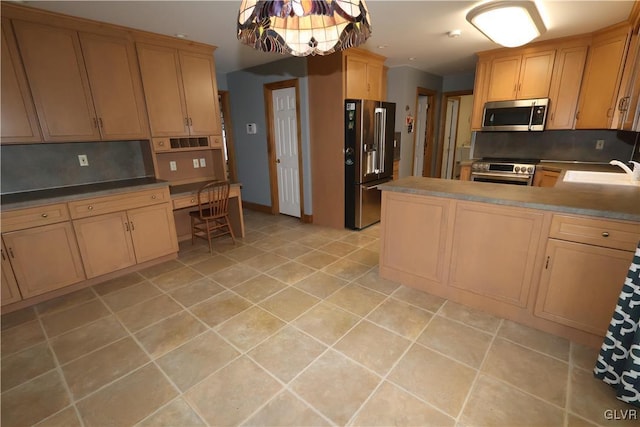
column 505, row 168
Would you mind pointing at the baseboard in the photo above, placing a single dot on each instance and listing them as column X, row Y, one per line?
column 256, row 207
column 308, row 219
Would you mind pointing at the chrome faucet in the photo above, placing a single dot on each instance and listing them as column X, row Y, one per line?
column 635, row 173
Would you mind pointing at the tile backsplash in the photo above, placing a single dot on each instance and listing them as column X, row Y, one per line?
column 561, row 145
column 31, row 167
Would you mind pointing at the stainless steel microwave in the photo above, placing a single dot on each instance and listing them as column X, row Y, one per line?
column 517, row 115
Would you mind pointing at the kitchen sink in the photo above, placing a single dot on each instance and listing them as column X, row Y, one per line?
column 607, row 178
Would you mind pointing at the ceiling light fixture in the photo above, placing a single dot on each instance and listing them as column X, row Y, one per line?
column 508, row 23
column 303, row 27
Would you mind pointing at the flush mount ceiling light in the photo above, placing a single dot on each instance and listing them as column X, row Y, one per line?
column 303, row 27
column 509, row 23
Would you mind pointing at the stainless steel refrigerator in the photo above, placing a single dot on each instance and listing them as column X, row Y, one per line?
column 368, row 158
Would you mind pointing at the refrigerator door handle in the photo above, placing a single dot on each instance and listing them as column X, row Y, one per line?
column 381, row 131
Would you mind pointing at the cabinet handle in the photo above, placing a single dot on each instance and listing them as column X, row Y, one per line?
column 44, row 215
column 126, row 226
column 100, row 122
column 153, row 197
column 609, row 112
column 95, row 123
column 193, row 200
column 3, row 257
column 577, row 115
column 190, row 122
column 90, row 207
column 132, row 227
column 11, row 253
column 546, row 265
column 186, row 121
column 605, row 234
column 161, row 143
column 551, row 118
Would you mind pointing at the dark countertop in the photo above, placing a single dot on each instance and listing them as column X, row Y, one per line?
column 607, row 201
column 77, row 192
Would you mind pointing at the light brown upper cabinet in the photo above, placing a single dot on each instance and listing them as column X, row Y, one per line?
column 85, row 88
column 364, row 76
column 565, row 86
column 480, row 88
column 603, row 72
column 627, row 112
column 521, row 76
column 19, row 121
column 181, row 91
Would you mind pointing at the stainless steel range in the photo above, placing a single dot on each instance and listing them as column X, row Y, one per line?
column 504, row 171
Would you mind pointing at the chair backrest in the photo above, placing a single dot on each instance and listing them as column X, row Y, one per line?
column 213, row 199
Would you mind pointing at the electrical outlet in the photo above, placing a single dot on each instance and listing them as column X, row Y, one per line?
column 203, row 162
column 82, row 158
column 599, row 144
column 196, row 164
column 172, row 166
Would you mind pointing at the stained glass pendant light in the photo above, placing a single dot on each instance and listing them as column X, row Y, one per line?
column 303, row 27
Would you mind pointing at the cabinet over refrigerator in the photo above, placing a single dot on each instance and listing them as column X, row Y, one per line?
column 368, row 158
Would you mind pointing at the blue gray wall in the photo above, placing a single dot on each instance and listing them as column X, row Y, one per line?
column 458, row 82
column 247, row 106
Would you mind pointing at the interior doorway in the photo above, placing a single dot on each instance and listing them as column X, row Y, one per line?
column 450, row 130
column 282, row 104
column 423, row 140
column 455, row 130
column 227, row 135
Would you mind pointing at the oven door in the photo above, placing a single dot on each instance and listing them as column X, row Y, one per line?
column 501, row 178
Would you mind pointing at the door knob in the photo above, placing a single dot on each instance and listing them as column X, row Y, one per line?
column 277, row 160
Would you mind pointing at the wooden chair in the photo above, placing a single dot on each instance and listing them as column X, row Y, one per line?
column 212, row 217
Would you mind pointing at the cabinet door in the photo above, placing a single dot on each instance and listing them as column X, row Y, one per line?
column 545, row 178
column 19, row 121
column 480, row 87
column 565, row 87
column 375, row 74
column 580, row 284
column 115, row 85
column 153, row 232
column 53, row 62
column 601, row 80
column 201, row 93
column 356, row 79
column 9, row 286
column 163, row 90
column 535, row 75
column 494, row 251
column 44, row 258
column 626, row 111
column 503, row 80
column 105, row 243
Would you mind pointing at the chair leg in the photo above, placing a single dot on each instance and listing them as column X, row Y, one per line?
column 233, row 237
column 193, row 231
column 209, row 236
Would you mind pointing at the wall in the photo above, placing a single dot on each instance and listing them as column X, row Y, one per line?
column 31, row 167
column 221, row 81
column 458, row 82
column 247, row 106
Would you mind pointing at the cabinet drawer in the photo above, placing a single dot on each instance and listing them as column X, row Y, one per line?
column 161, row 144
column 185, row 201
column 34, row 217
column 600, row 232
column 118, row 202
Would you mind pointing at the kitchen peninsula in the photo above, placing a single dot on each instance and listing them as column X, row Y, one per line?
column 551, row 258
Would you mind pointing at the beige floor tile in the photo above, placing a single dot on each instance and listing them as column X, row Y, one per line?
column 25, row 365
column 400, row 317
column 170, row 333
column 62, row 321
column 65, row 418
column 194, row 256
column 346, row 269
column 592, row 397
column 291, row 272
column 222, row 244
column 234, row 275
column 196, row 292
column 118, row 283
column 463, row 343
column 576, row 421
column 418, row 298
column 289, row 303
column 338, row 249
column 195, row 360
column 546, row 343
column 334, row 233
column 21, row 337
column 292, row 250
column 160, row 269
column 252, row 236
column 326, row 322
column 364, row 256
column 213, row 264
column 87, row 338
column 533, row 372
column 232, row 394
column 358, row 239
column 391, row 406
column 316, row 259
column 268, row 243
column 131, row 295
column 321, row 284
column 372, row 280
column 128, row 400
column 584, row 357
column 472, row 317
column 250, row 327
column 146, row 313
column 220, row 308
column 16, row 318
column 96, row 369
column 356, row 299
column 176, row 413
column 34, row 400
column 493, row 403
column 372, row 346
column 335, row 386
column 290, row 235
column 176, row 278
column 314, row 240
column 438, row 380
column 65, row 301
column 259, row 288
column 286, row 410
column 287, row 353
column 244, row 253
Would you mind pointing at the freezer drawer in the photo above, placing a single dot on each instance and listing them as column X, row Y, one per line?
column 366, row 205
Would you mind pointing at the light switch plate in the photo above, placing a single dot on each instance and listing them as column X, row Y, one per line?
column 172, row 166
column 203, row 162
column 82, row 158
column 252, row 128
column 196, row 164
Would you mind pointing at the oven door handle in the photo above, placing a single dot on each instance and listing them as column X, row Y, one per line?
column 501, row 176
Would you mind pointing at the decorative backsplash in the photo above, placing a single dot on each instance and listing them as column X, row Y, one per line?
column 31, row 167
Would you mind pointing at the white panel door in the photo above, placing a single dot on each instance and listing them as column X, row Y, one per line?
column 286, row 141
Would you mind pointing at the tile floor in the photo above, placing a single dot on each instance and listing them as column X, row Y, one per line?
column 291, row 326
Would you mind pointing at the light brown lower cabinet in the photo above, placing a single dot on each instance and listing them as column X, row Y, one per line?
column 44, row 258
column 545, row 178
column 9, row 285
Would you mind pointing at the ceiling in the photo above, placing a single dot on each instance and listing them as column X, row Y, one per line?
column 408, row 29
